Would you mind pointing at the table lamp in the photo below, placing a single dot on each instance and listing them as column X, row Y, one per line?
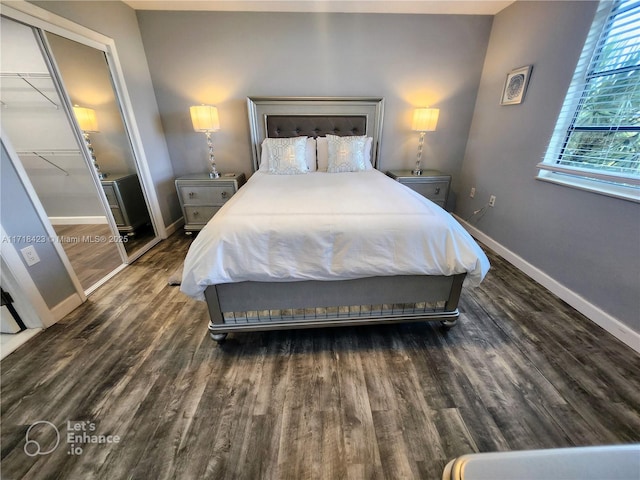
column 205, row 119
column 424, row 120
column 88, row 123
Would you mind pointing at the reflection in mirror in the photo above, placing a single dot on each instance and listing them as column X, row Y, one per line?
column 87, row 80
column 39, row 129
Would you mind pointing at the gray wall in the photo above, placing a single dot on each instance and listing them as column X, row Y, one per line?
column 587, row 242
column 118, row 21
column 221, row 58
column 21, row 223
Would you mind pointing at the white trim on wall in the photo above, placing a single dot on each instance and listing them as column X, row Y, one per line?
column 31, row 307
column 88, row 220
column 66, row 306
column 133, row 131
column 174, row 227
column 611, row 324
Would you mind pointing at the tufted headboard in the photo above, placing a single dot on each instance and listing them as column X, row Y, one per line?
column 314, row 116
column 315, row 126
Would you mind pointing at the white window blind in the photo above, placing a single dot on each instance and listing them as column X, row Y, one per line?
column 596, row 142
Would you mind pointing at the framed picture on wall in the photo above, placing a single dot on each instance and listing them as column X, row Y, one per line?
column 515, row 85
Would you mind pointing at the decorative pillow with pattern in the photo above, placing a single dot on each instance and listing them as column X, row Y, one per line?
column 346, row 154
column 310, row 154
column 287, row 156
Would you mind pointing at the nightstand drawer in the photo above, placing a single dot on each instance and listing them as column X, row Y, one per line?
column 206, row 195
column 436, row 191
column 432, row 184
column 111, row 195
column 117, row 216
column 202, row 196
column 126, row 200
column 199, row 215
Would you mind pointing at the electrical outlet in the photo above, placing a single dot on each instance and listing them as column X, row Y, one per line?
column 473, row 192
column 30, row 255
column 492, row 201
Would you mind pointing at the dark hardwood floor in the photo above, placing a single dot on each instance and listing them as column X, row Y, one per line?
column 521, row 370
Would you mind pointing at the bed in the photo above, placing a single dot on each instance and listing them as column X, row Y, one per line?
column 318, row 236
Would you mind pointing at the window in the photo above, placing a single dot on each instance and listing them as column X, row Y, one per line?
column 596, row 142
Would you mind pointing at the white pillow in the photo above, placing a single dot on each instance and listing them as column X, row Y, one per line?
column 323, row 154
column 346, row 154
column 312, row 164
column 367, row 153
column 287, row 156
column 310, row 154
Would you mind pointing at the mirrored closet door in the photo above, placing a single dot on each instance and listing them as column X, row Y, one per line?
column 84, row 72
column 61, row 114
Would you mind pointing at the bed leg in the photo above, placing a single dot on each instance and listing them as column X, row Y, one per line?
column 218, row 337
column 447, row 324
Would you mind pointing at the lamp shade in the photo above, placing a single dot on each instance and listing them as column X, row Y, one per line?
column 205, row 118
column 425, row 119
column 86, row 118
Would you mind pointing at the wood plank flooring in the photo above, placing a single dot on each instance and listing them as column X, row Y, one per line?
column 521, row 370
column 91, row 260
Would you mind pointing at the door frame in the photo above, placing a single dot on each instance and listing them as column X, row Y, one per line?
column 11, row 258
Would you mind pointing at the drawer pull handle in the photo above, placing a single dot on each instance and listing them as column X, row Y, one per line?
column 196, row 213
column 192, row 194
column 223, row 194
column 437, row 190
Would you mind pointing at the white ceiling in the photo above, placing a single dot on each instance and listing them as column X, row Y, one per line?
column 460, row 7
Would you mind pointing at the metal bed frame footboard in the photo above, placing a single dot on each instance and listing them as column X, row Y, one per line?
column 256, row 306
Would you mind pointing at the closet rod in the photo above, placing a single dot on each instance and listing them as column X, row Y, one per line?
column 41, row 156
column 24, row 74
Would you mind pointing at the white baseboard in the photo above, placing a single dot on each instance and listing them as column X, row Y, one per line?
column 86, row 220
column 174, row 227
column 105, row 279
column 611, row 324
column 9, row 343
column 65, row 307
column 8, row 323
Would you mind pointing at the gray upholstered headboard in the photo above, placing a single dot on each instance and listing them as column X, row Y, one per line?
column 315, row 125
column 314, row 116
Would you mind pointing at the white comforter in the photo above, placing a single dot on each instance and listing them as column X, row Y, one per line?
column 328, row 226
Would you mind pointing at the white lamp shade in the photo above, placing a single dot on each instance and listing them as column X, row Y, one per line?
column 86, row 118
column 425, row 119
column 205, row 118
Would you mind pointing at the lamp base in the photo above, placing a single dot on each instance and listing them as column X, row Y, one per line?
column 417, row 171
column 214, row 175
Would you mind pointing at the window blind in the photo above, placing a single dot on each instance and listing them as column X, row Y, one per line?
column 597, row 135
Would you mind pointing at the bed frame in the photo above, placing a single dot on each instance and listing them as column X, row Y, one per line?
column 254, row 306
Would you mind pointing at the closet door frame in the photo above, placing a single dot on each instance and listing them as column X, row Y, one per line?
column 42, row 20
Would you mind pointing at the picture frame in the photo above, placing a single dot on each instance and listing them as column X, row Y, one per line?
column 515, row 85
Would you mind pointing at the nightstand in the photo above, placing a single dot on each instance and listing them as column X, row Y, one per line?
column 432, row 184
column 201, row 197
column 126, row 201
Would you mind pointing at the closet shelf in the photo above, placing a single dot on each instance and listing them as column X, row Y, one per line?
column 26, row 77
column 42, row 154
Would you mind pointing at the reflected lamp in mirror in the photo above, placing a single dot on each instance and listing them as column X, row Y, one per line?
column 205, row 119
column 424, row 120
column 88, row 123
